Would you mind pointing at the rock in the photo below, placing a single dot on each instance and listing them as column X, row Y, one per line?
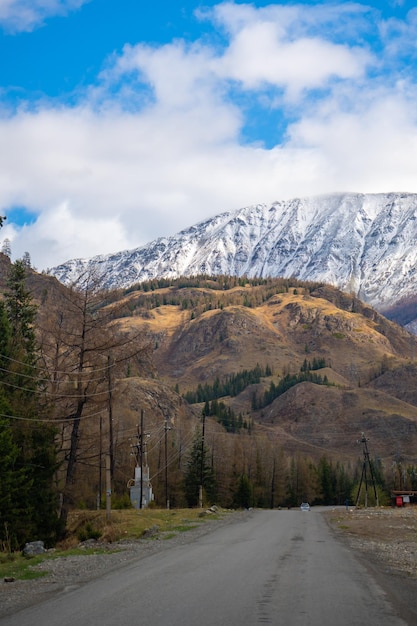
column 151, row 532
column 33, row 548
column 88, row 543
column 209, row 511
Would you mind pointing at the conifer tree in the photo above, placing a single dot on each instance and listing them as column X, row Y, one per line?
column 28, row 468
column 243, row 498
column 198, row 472
column 8, row 449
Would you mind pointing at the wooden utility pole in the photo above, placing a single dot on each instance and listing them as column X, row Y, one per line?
column 108, row 487
column 200, row 491
column 167, row 428
column 100, row 459
column 110, row 396
column 142, row 419
column 273, row 484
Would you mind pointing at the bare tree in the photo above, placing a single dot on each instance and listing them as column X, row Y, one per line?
column 6, row 248
column 26, row 260
column 82, row 351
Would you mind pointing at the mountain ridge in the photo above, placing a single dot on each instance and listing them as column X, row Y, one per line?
column 369, row 361
column 360, row 243
column 195, row 332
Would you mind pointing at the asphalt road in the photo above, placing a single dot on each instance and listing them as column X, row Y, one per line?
column 273, row 567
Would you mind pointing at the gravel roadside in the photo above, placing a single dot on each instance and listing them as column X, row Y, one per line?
column 385, row 541
column 65, row 572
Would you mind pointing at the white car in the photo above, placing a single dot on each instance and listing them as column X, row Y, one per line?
column 305, row 506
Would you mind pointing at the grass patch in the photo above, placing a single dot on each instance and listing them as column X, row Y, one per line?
column 19, row 567
column 123, row 524
column 183, row 528
column 133, row 524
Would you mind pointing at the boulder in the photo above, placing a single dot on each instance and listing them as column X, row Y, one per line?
column 32, row 548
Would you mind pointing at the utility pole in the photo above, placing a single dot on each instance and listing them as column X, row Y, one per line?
column 141, row 460
column 273, row 484
column 364, row 477
column 110, row 396
column 100, row 455
column 200, row 491
column 141, row 457
column 108, row 487
column 167, row 428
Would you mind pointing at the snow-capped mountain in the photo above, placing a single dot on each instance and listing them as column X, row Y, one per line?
column 361, row 243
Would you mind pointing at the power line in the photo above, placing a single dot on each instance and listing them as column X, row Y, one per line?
column 66, row 373
column 56, row 394
column 53, row 420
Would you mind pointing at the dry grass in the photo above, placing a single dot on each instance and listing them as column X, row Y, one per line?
column 130, row 524
column 126, row 525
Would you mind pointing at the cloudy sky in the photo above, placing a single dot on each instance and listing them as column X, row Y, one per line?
column 125, row 120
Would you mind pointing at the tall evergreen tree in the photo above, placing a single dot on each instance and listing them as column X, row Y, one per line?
column 8, row 478
column 29, row 467
column 327, row 482
column 243, row 497
column 199, row 471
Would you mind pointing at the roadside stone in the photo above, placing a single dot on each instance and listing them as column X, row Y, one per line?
column 151, row 532
column 88, row 543
column 33, row 548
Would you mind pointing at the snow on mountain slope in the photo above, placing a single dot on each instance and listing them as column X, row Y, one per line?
column 361, row 243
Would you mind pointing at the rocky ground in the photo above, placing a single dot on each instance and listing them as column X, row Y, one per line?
column 387, row 536
column 385, row 540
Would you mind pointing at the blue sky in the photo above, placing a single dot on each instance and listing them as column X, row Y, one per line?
column 123, row 120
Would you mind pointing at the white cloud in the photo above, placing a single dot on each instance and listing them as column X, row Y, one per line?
column 156, row 145
column 280, row 46
column 371, row 147
column 258, row 56
column 179, row 74
column 26, row 15
column 339, row 21
column 61, row 234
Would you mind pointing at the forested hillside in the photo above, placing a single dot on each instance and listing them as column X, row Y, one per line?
column 259, row 390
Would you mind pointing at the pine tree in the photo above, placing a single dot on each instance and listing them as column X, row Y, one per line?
column 243, row 498
column 21, row 314
column 327, row 482
column 198, row 472
column 29, row 466
column 6, row 247
column 8, row 478
column 26, row 260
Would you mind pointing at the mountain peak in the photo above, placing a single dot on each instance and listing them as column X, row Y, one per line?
column 360, row 243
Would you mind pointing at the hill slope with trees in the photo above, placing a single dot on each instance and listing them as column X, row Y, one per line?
column 258, row 389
